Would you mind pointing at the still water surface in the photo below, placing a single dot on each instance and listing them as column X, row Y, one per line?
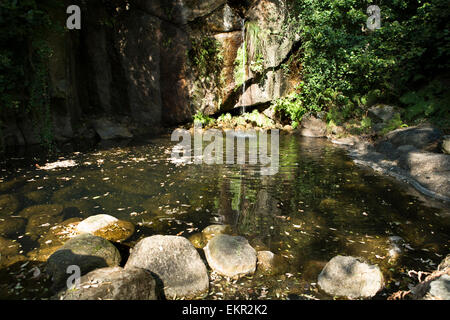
column 319, row 205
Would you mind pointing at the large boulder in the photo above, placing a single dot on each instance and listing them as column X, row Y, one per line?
column 349, row 277
column 86, row 251
column 231, row 256
column 113, row 284
column 107, row 227
column 421, row 137
column 175, row 262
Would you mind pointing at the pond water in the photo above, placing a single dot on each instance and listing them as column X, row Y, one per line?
column 319, row 205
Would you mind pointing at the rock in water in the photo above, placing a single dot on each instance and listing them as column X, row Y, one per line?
column 114, row 284
column 85, row 251
column 95, row 223
column 270, row 263
column 214, row 230
column 349, row 277
column 107, row 227
column 230, row 256
column 176, row 263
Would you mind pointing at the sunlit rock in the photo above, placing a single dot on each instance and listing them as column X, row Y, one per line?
column 197, row 240
column 231, row 256
column 270, row 263
column 107, row 227
column 86, row 251
column 176, row 263
column 349, row 277
column 439, row 289
column 113, row 284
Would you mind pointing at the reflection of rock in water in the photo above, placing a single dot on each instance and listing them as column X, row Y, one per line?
column 259, row 217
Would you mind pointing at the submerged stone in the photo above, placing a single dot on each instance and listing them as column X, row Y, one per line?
column 351, row 278
column 48, row 209
column 231, row 256
column 114, row 284
column 12, row 226
column 175, row 262
column 85, row 251
column 9, row 204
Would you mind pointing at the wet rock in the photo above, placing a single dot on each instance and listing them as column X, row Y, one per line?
column 8, row 250
column 349, row 277
column 270, row 263
column 48, row 209
column 329, row 204
column 9, row 204
column 231, row 256
column 12, row 226
column 86, row 251
column 439, row 289
column 107, row 227
column 214, row 230
column 313, row 127
column 446, row 144
column 197, row 240
column 108, row 130
column 175, row 262
column 114, row 284
column 38, row 224
column 36, row 196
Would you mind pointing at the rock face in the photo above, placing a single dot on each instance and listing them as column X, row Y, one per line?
column 114, row 284
column 383, row 113
column 231, row 256
column 174, row 262
column 349, row 277
column 85, row 251
column 144, row 61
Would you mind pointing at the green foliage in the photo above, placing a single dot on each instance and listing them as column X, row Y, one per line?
column 345, row 64
column 239, row 65
column 207, row 56
column 203, row 119
column 225, row 118
column 393, row 124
